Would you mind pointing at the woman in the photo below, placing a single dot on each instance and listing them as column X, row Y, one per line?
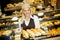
column 27, row 21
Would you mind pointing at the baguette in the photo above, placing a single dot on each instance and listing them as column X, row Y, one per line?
column 25, row 34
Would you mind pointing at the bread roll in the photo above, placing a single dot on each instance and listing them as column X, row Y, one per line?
column 25, row 34
column 16, row 4
column 17, row 37
column 7, row 32
column 57, row 15
column 10, row 5
column 36, row 32
column 41, row 31
column 30, row 33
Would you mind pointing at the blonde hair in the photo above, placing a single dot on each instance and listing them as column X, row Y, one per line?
column 25, row 5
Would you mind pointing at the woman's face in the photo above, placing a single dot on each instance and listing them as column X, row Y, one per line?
column 26, row 12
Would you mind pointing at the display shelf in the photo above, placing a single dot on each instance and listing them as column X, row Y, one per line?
column 52, row 13
column 6, row 26
column 7, row 23
column 52, row 38
column 50, row 19
column 57, row 10
column 54, row 26
column 41, row 37
column 13, row 8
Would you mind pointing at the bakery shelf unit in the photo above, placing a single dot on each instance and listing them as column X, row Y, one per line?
column 7, row 23
column 53, row 20
column 11, row 7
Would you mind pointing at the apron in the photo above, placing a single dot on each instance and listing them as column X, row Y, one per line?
column 30, row 25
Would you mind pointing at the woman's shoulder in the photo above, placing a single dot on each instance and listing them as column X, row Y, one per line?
column 34, row 16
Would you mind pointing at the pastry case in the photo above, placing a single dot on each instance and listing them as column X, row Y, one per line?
column 8, row 28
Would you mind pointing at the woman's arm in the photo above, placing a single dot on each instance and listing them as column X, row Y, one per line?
column 36, row 21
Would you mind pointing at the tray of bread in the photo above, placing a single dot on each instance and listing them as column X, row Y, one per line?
column 39, row 33
column 33, row 33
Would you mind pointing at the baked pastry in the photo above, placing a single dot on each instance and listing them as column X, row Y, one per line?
column 58, row 30
column 33, row 10
column 25, row 34
column 7, row 32
column 31, row 33
column 7, row 23
column 16, row 4
column 36, row 32
column 17, row 37
column 41, row 31
column 57, row 15
column 0, row 24
column 52, row 32
column 0, row 33
column 57, row 22
column 10, row 5
column 20, row 12
column 48, row 23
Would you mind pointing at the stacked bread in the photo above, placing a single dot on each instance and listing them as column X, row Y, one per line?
column 32, row 33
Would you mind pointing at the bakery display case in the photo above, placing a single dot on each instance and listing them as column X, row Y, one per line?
column 7, row 26
column 52, row 22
